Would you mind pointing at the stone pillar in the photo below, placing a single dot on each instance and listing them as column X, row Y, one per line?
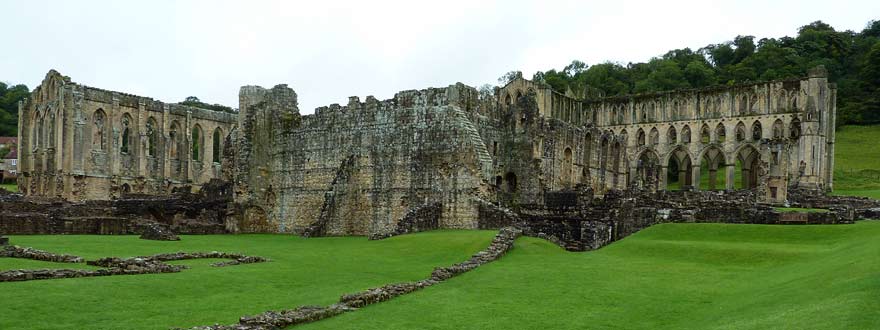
column 695, row 177
column 661, row 178
column 713, row 171
column 731, row 175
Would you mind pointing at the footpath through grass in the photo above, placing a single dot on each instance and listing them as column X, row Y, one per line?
column 302, row 272
column 670, row 276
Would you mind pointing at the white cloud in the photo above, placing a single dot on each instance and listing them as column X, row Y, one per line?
column 329, row 50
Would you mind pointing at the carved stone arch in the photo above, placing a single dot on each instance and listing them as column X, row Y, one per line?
column 640, row 138
column 705, row 135
column 672, row 135
column 740, row 132
column 567, row 159
column 685, row 134
column 794, row 129
column 754, row 106
column 152, row 137
column 679, row 168
column 588, row 149
column 757, row 131
column 778, row 129
column 198, row 143
column 175, row 141
column 793, row 100
column 99, row 130
column 217, row 145
column 654, row 136
column 748, row 160
column 720, row 133
column 126, row 134
column 712, row 161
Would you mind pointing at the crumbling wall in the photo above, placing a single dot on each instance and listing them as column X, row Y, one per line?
column 356, row 169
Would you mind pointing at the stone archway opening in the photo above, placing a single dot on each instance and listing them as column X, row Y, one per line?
column 647, row 170
column 679, row 171
column 712, row 170
column 747, row 162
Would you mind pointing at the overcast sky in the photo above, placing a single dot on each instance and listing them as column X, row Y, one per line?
column 328, row 50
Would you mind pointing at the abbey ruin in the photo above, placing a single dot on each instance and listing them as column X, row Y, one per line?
column 432, row 158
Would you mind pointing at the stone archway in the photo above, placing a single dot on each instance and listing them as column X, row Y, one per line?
column 711, row 161
column 748, row 159
column 679, row 170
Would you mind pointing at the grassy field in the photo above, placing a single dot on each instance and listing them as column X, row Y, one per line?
column 303, row 271
column 9, row 186
column 670, row 276
column 857, row 161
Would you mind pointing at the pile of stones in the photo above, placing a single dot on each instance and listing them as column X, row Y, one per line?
column 158, row 232
column 14, row 251
column 271, row 320
column 4, row 241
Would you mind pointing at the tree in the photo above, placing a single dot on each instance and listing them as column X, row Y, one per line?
column 508, row 77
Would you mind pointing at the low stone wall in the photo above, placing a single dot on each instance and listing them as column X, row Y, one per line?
column 112, row 265
column 15, row 251
column 502, row 243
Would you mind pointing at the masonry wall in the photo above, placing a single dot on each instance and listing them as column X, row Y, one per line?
column 83, row 143
column 356, row 169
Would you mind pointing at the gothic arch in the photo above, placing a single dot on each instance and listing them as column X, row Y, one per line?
column 712, row 161
column 647, row 169
column 217, row 145
column 672, row 135
column 640, row 138
column 794, row 129
column 152, row 135
column 198, row 143
column 757, row 131
column 705, row 136
column 655, row 136
column 778, row 129
column 748, row 160
column 720, row 133
column 679, row 168
column 99, row 128
column 740, row 132
column 125, row 143
column 686, row 134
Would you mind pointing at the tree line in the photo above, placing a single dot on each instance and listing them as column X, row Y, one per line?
column 851, row 58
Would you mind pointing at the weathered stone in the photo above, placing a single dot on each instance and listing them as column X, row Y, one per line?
column 158, row 232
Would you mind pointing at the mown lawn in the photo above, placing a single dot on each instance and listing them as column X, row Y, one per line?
column 670, row 276
column 303, row 271
column 857, row 160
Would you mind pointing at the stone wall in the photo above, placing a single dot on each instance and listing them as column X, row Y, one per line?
column 82, row 143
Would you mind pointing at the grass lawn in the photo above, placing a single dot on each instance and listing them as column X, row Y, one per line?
column 857, row 160
column 9, row 186
column 800, row 209
column 303, row 271
column 670, row 276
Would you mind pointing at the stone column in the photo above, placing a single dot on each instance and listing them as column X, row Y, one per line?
column 661, row 178
column 695, row 177
column 731, row 175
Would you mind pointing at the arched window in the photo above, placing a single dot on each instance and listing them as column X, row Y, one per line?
column 720, row 133
column 125, row 145
column 640, row 136
column 794, row 129
column 197, row 143
column 672, row 135
column 215, row 150
column 757, row 131
column 655, row 136
column 99, row 136
column 778, row 128
column 152, row 137
column 174, row 135
column 686, row 134
column 704, row 134
column 740, row 132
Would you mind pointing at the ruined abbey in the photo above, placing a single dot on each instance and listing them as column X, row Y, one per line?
column 426, row 158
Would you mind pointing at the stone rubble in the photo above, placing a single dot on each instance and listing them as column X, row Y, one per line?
column 112, row 265
column 158, row 232
column 271, row 320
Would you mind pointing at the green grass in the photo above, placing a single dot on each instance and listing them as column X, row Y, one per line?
column 857, row 159
column 800, row 209
column 9, row 186
column 303, row 272
column 670, row 276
